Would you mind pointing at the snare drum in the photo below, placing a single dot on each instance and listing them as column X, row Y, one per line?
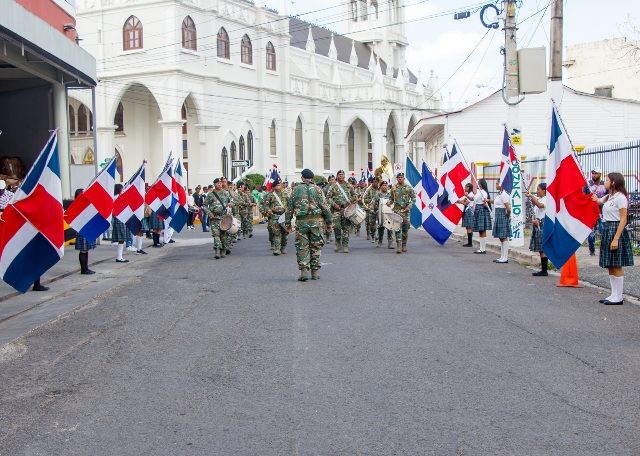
column 229, row 224
column 355, row 214
column 392, row 221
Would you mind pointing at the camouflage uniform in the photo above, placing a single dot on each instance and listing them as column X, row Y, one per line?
column 403, row 197
column 341, row 224
column 214, row 210
column 247, row 201
column 325, row 190
column 375, row 206
column 370, row 223
column 312, row 212
column 279, row 233
column 263, row 211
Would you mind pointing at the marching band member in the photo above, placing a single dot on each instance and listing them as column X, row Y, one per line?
column 403, row 197
column 367, row 202
column 502, row 225
column 467, row 215
column 274, row 206
column 385, row 196
column 340, row 195
column 330, row 181
column 537, row 220
column 214, row 205
column 482, row 214
column 615, row 245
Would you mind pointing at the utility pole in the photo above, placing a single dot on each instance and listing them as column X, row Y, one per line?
column 555, row 53
column 511, row 96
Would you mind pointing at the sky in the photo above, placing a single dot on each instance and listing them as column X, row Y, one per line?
column 438, row 42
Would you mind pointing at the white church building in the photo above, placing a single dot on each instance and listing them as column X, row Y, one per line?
column 213, row 81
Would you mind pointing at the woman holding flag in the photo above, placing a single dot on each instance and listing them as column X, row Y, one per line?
column 482, row 214
column 535, row 245
column 615, row 246
column 467, row 215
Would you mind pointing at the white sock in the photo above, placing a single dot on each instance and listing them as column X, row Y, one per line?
column 613, row 288
column 483, row 243
column 120, row 249
column 138, row 242
column 618, row 287
column 505, row 251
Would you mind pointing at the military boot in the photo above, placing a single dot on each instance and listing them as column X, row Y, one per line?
column 315, row 274
column 390, row 244
column 398, row 247
column 276, row 252
column 345, row 248
column 217, row 254
column 222, row 255
column 283, row 251
column 404, row 247
column 304, row 275
column 379, row 244
column 338, row 246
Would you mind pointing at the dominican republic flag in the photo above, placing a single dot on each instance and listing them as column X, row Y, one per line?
column 454, row 173
column 369, row 174
column 508, row 157
column 570, row 214
column 180, row 211
column 434, row 220
column 160, row 194
column 90, row 213
column 415, row 180
column 273, row 176
column 32, row 224
column 363, row 176
column 129, row 205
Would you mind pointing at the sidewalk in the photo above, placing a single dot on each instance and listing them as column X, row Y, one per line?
column 588, row 269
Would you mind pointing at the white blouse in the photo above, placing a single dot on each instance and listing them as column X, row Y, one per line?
column 470, row 196
column 501, row 199
column 611, row 208
column 479, row 197
column 539, row 212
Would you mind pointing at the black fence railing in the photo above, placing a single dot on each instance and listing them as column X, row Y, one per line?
column 623, row 158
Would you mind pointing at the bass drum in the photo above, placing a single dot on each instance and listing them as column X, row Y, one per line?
column 383, row 209
column 392, row 221
column 281, row 220
column 355, row 214
column 230, row 224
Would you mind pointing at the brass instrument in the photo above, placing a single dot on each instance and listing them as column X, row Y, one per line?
column 367, row 207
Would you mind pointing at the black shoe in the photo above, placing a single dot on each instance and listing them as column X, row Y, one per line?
column 611, row 303
column 602, row 301
column 171, row 241
column 592, row 252
column 39, row 288
column 540, row 274
column 87, row 272
column 481, row 252
column 141, row 252
column 251, row 235
column 124, row 260
column 467, row 245
column 156, row 245
column 228, row 252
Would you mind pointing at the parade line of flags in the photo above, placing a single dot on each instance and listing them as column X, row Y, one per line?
column 32, row 224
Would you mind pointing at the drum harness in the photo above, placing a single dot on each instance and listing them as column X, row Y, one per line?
column 223, row 205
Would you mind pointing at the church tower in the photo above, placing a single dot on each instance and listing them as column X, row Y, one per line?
column 379, row 24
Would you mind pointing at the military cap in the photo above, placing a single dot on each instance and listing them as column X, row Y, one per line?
column 307, row 174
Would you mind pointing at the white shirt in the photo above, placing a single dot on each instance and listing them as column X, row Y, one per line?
column 539, row 212
column 611, row 208
column 190, row 201
column 479, row 196
column 501, row 199
column 470, row 197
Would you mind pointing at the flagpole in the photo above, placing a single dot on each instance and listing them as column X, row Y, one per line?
column 566, row 132
column 466, row 163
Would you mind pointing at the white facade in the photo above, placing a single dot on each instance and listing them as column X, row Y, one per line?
column 479, row 129
column 604, row 66
column 324, row 88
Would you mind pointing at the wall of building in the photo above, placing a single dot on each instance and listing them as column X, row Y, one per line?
column 54, row 13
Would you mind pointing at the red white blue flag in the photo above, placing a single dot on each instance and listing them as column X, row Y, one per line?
column 90, row 213
column 570, row 214
column 180, row 212
column 508, row 160
column 129, row 205
column 454, row 173
column 160, row 194
column 435, row 220
column 32, row 224
column 273, row 177
column 415, row 180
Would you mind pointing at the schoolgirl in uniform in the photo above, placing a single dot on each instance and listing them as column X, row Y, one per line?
column 615, row 246
column 535, row 245
column 467, row 215
column 502, row 223
column 119, row 231
column 84, row 245
column 482, row 214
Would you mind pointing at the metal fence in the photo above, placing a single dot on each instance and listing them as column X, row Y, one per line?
column 623, row 158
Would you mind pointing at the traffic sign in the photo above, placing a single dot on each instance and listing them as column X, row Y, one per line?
column 397, row 168
column 240, row 163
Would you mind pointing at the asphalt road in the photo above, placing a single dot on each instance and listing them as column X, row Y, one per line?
column 435, row 352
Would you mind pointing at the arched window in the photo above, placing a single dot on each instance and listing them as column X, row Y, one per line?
column 354, row 10
column 373, row 10
column 246, row 51
column 272, row 138
column 299, row 145
column 250, row 148
column 241, row 146
column 183, row 116
column 72, row 120
column 189, row 39
column 326, row 146
column 82, row 119
column 271, row 57
column 223, row 44
column 234, row 156
column 132, row 34
column 225, row 161
column 351, row 149
column 369, row 150
column 363, row 10
column 118, row 119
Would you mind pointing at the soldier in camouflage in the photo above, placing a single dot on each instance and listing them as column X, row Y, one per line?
column 383, row 194
column 228, row 237
column 367, row 199
column 330, row 181
column 312, row 213
column 274, row 206
column 403, row 197
column 214, row 205
column 340, row 195
column 248, row 203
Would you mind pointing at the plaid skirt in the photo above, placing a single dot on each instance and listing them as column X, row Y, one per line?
column 83, row 244
column 119, row 231
column 615, row 258
column 502, row 227
column 481, row 219
column 145, row 224
column 467, row 218
column 535, row 245
column 154, row 222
